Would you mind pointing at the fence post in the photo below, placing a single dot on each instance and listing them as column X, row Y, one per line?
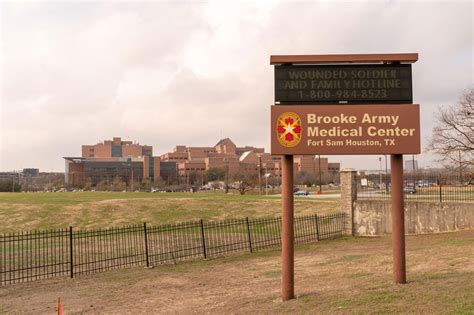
column 146, row 245
column 248, row 234
column 317, row 227
column 440, row 193
column 203, row 239
column 71, row 262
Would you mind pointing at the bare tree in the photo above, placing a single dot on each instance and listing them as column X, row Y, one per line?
column 245, row 181
column 453, row 136
column 118, row 184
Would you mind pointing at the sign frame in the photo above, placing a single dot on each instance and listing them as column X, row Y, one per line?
column 398, row 229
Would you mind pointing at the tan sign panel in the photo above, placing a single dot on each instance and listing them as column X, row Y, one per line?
column 345, row 129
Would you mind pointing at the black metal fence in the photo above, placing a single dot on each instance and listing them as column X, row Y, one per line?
column 27, row 256
column 418, row 187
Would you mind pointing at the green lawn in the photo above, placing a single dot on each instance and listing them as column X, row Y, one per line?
column 29, row 211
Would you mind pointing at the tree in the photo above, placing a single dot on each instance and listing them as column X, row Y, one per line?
column 88, row 184
column 245, row 181
column 453, row 136
column 118, row 184
column 305, row 178
column 214, row 174
column 145, row 184
column 103, row 185
column 9, row 185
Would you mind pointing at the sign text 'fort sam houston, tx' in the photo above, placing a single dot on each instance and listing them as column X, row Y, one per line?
column 343, row 104
column 345, row 129
column 357, row 109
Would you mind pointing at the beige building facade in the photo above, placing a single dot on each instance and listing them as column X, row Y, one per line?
column 193, row 162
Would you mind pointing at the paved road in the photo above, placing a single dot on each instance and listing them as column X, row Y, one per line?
column 314, row 196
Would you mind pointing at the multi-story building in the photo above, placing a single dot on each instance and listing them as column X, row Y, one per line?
column 31, row 179
column 310, row 164
column 193, row 162
column 111, row 159
column 132, row 162
column 333, row 170
column 115, row 148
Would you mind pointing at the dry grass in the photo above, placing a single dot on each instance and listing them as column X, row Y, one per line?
column 349, row 275
column 29, row 211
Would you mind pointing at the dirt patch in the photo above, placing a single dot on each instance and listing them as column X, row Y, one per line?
column 351, row 275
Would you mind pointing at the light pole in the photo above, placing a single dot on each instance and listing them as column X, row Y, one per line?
column 186, row 174
column 128, row 172
column 320, row 181
column 314, row 169
column 226, row 169
column 177, row 173
column 130, row 175
column 266, row 185
column 414, row 176
column 267, row 175
column 131, row 185
column 380, row 173
column 386, row 175
column 13, row 182
column 260, row 174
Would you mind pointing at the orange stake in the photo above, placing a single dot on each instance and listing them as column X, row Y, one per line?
column 60, row 307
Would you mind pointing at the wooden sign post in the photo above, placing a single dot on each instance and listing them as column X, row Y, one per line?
column 343, row 104
column 398, row 219
column 287, row 233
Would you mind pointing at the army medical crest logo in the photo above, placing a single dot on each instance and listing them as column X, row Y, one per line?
column 289, row 129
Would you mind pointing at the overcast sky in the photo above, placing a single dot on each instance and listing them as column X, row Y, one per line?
column 186, row 72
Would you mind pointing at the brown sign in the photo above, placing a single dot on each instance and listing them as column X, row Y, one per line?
column 345, row 129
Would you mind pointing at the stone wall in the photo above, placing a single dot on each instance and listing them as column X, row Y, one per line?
column 348, row 196
column 373, row 217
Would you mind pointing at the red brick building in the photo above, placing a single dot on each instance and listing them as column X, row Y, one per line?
column 132, row 162
column 193, row 162
column 111, row 159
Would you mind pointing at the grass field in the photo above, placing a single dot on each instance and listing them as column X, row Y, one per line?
column 344, row 276
column 29, row 211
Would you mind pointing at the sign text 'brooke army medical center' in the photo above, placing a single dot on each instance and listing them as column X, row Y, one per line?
column 344, row 104
column 345, row 129
column 377, row 117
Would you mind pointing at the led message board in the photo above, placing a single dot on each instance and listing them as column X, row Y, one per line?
column 343, row 84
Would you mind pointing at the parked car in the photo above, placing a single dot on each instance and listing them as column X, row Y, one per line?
column 301, row 193
column 409, row 190
column 423, row 184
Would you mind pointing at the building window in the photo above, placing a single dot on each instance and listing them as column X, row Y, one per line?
column 116, row 150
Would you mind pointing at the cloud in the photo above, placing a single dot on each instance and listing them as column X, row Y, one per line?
column 168, row 73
